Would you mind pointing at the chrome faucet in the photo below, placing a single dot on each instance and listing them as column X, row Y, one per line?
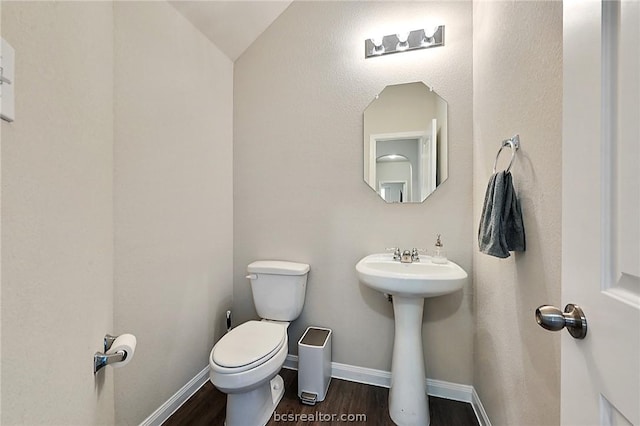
column 406, row 257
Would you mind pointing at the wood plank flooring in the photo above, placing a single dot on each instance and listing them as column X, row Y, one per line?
column 207, row 406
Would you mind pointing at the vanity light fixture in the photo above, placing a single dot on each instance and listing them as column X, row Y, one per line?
column 404, row 41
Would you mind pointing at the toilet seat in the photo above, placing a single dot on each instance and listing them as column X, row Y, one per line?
column 248, row 346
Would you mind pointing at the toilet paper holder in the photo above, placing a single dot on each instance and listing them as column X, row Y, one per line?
column 102, row 359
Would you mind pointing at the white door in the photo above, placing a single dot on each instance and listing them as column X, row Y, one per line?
column 601, row 211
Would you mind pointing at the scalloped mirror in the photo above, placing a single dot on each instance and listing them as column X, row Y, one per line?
column 405, row 143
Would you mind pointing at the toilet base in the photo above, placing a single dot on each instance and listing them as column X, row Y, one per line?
column 256, row 406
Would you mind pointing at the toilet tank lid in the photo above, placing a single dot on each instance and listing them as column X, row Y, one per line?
column 277, row 267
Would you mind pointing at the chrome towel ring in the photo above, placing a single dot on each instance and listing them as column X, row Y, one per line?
column 514, row 144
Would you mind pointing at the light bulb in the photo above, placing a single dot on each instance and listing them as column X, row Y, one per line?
column 430, row 30
column 429, row 33
column 403, row 43
column 377, row 41
column 378, row 46
column 403, row 36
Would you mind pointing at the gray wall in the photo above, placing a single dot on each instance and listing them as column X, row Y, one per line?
column 1, row 33
column 57, row 216
column 117, row 201
column 301, row 107
column 173, row 201
column 517, row 82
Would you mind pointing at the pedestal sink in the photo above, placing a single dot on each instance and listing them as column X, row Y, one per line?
column 409, row 284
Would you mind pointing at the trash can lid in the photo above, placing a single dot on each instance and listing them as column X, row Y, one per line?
column 315, row 336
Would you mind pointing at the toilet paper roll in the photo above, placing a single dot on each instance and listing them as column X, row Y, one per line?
column 124, row 342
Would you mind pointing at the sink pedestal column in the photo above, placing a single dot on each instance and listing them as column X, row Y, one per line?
column 408, row 404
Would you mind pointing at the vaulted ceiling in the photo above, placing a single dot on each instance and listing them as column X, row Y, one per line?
column 231, row 25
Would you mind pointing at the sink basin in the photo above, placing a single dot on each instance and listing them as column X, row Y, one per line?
column 409, row 284
column 418, row 279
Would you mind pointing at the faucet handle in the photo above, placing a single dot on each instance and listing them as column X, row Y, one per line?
column 396, row 252
column 415, row 253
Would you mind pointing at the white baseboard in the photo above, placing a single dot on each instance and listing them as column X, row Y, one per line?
column 478, row 408
column 437, row 388
column 356, row 374
column 171, row 406
column 351, row 373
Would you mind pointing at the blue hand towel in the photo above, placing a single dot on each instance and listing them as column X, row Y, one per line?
column 501, row 227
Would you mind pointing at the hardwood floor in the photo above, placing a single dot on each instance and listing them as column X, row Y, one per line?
column 207, row 406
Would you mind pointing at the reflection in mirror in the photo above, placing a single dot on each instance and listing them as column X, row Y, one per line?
column 394, row 177
column 405, row 143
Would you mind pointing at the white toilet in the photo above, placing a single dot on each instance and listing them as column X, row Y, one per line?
column 245, row 362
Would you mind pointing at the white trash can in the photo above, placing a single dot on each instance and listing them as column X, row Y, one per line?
column 314, row 365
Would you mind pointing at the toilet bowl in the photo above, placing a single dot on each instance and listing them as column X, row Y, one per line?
column 245, row 362
column 248, row 374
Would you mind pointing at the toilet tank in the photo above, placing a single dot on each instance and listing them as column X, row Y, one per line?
column 278, row 288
